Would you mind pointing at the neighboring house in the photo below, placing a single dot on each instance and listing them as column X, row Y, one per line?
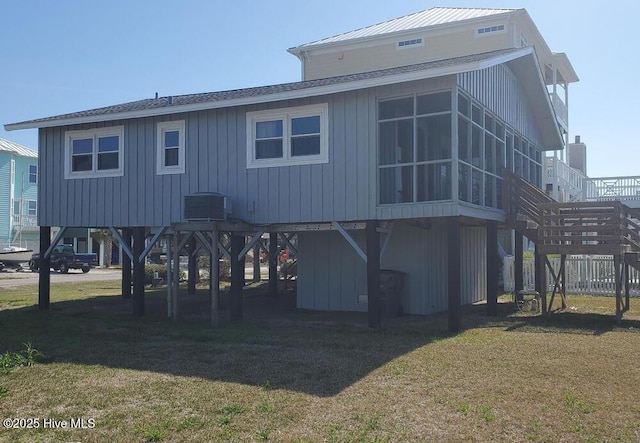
column 18, row 195
column 405, row 126
column 568, row 181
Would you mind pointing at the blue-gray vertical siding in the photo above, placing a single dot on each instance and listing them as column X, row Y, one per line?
column 500, row 91
column 331, row 276
column 216, row 162
column 343, row 189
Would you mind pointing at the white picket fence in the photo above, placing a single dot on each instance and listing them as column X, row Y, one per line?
column 585, row 274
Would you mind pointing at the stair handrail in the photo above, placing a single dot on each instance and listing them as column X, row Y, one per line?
column 521, row 197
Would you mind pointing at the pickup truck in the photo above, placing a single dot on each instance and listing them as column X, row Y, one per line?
column 63, row 258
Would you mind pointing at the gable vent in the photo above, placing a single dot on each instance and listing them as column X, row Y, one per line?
column 206, row 207
column 490, row 29
column 410, row 43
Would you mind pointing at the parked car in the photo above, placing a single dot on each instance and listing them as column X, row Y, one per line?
column 64, row 257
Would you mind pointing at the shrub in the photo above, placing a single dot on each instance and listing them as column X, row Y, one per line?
column 224, row 267
column 149, row 270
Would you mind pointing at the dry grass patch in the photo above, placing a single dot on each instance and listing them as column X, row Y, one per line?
column 309, row 377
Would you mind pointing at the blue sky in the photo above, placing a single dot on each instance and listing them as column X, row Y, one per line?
column 72, row 55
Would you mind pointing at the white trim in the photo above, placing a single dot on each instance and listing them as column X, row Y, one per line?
column 286, row 115
column 94, row 134
column 35, row 210
column 278, row 96
column 162, row 127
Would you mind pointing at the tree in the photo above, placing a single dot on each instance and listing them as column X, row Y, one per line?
column 105, row 237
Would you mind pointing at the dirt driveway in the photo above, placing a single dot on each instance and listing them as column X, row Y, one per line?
column 10, row 278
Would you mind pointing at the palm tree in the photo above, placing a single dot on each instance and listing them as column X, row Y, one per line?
column 105, row 237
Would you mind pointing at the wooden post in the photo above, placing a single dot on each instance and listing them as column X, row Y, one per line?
column 44, row 273
column 627, row 285
column 126, row 265
column 541, row 278
column 518, row 265
column 563, row 283
column 453, row 272
column 492, row 268
column 273, row 264
column 373, row 273
column 214, row 279
column 193, row 266
column 176, row 275
column 237, row 276
column 617, row 266
column 138, row 271
column 256, row 263
column 169, row 276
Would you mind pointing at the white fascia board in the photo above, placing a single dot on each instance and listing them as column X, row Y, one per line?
column 500, row 59
column 268, row 98
column 547, row 100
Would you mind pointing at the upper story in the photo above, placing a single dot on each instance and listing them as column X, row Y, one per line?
column 18, row 188
column 427, row 139
column 437, row 34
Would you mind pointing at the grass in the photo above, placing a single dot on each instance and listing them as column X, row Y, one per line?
column 312, row 377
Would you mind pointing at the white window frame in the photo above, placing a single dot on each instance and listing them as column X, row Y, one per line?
column 286, row 115
column 18, row 202
column 95, row 133
column 35, row 174
column 162, row 127
column 35, row 208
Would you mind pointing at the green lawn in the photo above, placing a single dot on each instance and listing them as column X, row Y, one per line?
column 312, row 377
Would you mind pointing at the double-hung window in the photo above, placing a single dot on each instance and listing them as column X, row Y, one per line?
column 33, row 173
column 289, row 136
column 170, row 153
column 32, row 207
column 94, row 153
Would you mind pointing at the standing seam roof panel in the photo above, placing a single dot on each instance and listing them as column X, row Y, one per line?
column 429, row 17
column 14, row 148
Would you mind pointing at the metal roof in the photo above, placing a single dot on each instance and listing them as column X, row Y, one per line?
column 422, row 19
column 14, row 148
column 264, row 94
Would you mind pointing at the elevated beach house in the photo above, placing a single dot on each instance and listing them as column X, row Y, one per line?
column 18, row 195
column 388, row 154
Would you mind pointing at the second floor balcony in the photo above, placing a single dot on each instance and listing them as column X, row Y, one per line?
column 25, row 222
column 562, row 113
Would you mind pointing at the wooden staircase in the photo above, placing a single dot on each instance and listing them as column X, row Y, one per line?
column 602, row 227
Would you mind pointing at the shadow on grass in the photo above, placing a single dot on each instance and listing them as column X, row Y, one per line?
column 569, row 322
column 317, row 353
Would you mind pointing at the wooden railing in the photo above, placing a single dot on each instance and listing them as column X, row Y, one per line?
column 602, row 227
column 521, row 197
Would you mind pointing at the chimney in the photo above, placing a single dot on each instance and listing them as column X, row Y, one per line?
column 577, row 155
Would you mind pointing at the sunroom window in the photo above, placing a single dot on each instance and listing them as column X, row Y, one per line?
column 414, row 148
column 288, row 136
column 94, row 152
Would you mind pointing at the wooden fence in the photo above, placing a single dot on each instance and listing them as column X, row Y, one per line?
column 585, row 274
